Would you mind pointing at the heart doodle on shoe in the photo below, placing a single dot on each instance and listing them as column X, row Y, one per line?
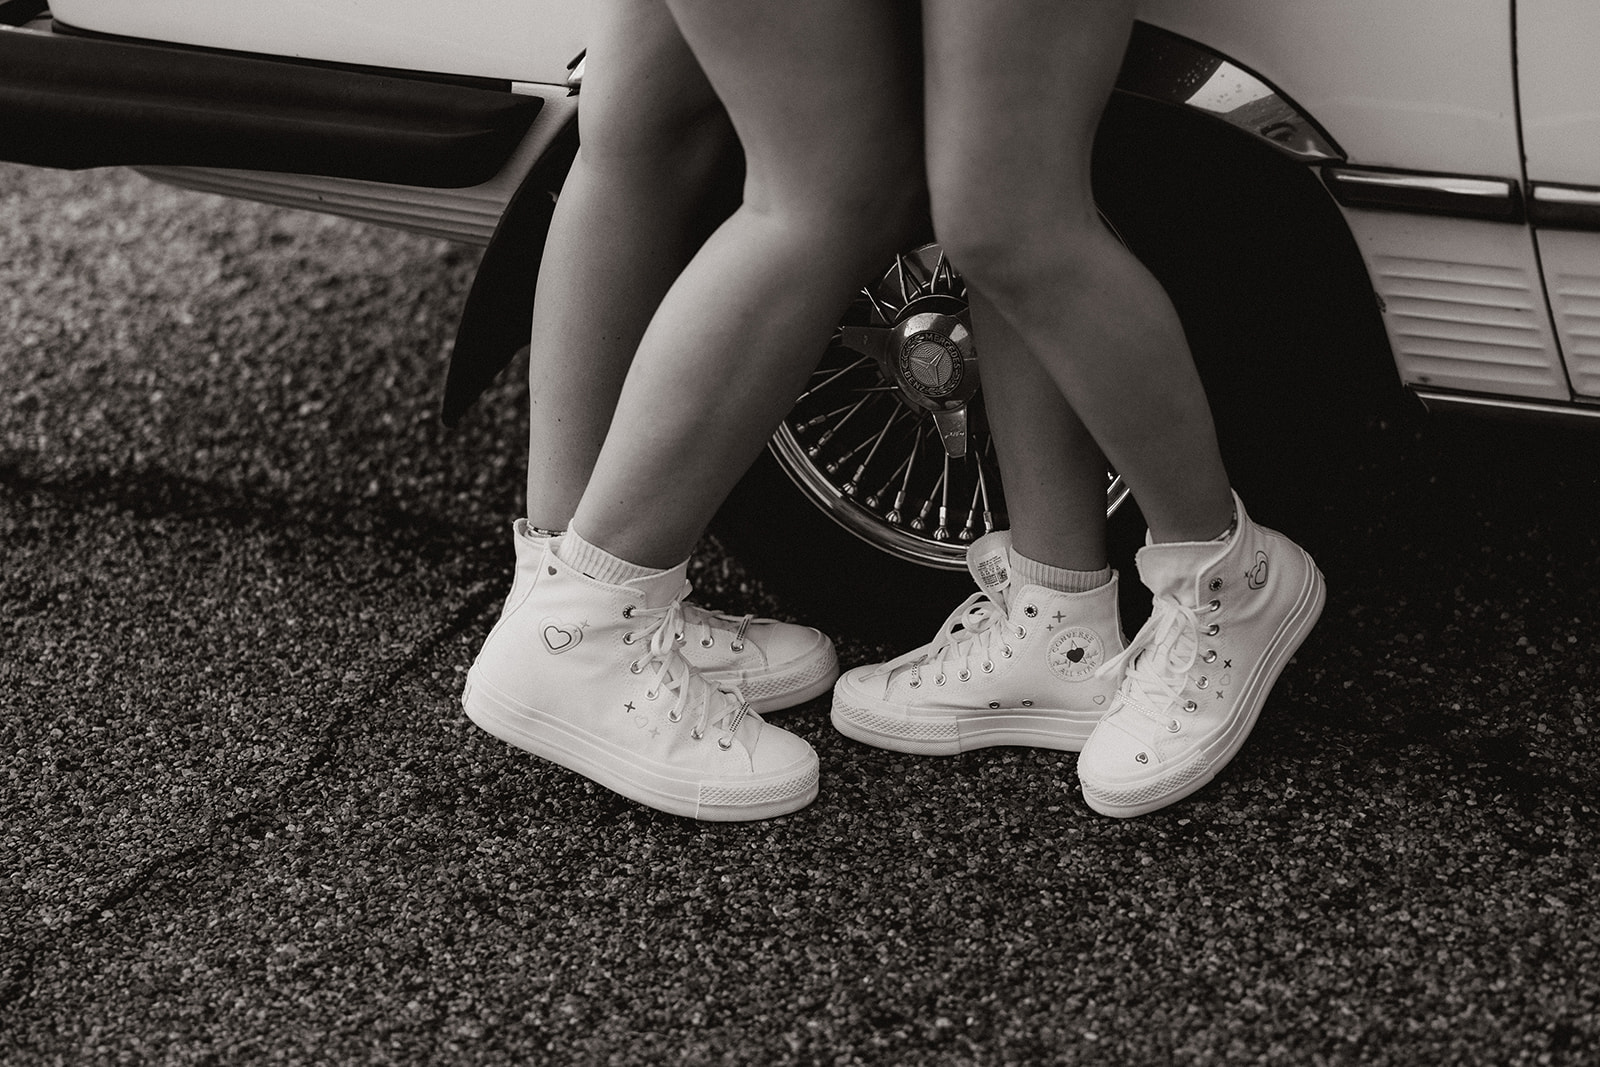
column 1256, row 577
column 558, row 638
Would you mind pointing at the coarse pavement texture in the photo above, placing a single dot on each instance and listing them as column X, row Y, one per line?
column 243, row 820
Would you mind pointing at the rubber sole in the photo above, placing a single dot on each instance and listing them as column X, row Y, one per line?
column 949, row 735
column 652, row 784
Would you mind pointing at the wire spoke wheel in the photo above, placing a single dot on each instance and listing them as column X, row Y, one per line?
column 890, row 439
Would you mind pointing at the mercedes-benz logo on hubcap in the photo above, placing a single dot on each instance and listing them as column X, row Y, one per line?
column 932, row 364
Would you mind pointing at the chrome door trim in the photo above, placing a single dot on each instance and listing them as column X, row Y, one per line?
column 1456, row 195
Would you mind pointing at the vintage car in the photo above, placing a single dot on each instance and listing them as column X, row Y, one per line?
column 1314, row 182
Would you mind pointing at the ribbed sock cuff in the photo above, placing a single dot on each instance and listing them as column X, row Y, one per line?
column 1025, row 571
column 597, row 563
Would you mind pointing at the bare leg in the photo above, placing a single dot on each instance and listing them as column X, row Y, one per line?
column 823, row 96
column 654, row 138
column 1015, row 89
column 1055, row 476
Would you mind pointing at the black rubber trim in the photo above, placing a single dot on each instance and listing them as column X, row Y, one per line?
column 76, row 102
column 21, row 12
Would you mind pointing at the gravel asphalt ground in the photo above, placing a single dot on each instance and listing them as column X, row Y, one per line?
column 243, row 820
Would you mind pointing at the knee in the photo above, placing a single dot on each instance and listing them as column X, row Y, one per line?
column 860, row 211
column 683, row 149
column 1002, row 244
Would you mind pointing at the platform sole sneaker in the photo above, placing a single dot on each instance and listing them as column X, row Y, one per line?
column 657, row 785
column 1226, row 621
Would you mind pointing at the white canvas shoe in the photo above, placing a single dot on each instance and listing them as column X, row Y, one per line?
column 1227, row 617
column 776, row 665
column 592, row 676
column 1010, row 666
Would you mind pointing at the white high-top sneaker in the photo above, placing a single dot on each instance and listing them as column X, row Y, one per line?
column 1010, row 666
column 592, row 676
column 776, row 665
column 1227, row 616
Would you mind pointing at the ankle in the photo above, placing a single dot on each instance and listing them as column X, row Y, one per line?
column 595, row 562
column 1028, row 571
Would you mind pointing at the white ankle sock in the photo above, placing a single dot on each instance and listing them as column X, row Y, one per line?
column 1027, row 571
column 597, row 563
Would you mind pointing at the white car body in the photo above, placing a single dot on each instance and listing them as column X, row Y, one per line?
column 1477, row 311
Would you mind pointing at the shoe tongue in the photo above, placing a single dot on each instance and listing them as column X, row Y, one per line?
column 661, row 589
column 1174, row 569
column 989, row 560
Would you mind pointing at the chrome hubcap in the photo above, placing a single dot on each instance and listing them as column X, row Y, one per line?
column 889, row 438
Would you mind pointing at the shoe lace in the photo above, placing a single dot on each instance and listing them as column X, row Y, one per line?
column 976, row 625
column 1158, row 660
column 662, row 631
column 715, row 621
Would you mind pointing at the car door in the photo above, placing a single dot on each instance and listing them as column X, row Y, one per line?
column 1559, row 86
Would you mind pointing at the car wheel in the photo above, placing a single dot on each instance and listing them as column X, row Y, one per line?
column 884, row 471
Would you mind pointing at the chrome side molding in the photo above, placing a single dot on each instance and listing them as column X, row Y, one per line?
column 1460, row 196
column 1170, row 69
column 1564, row 207
column 1587, row 416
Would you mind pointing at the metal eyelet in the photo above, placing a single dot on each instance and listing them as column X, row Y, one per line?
column 993, row 704
column 1210, row 656
column 1215, row 605
column 988, row 668
column 1027, row 703
column 1174, row 726
column 964, row 674
column 634, row 667
column 916, row 683
column 627, row 612
column 737, row 646
column 1213, row 630
column 651, row 694
column 1190, row 706
column 938, row 679
column 627, row 638
column 1203, row 683
column 724, row 743
column 1022, row 632
column 696, row 734
column 1031, row 612
column 705, row 642
column 1005, row 650
column 674, row 715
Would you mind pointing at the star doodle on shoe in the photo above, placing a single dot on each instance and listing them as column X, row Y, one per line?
column 1010, row 666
